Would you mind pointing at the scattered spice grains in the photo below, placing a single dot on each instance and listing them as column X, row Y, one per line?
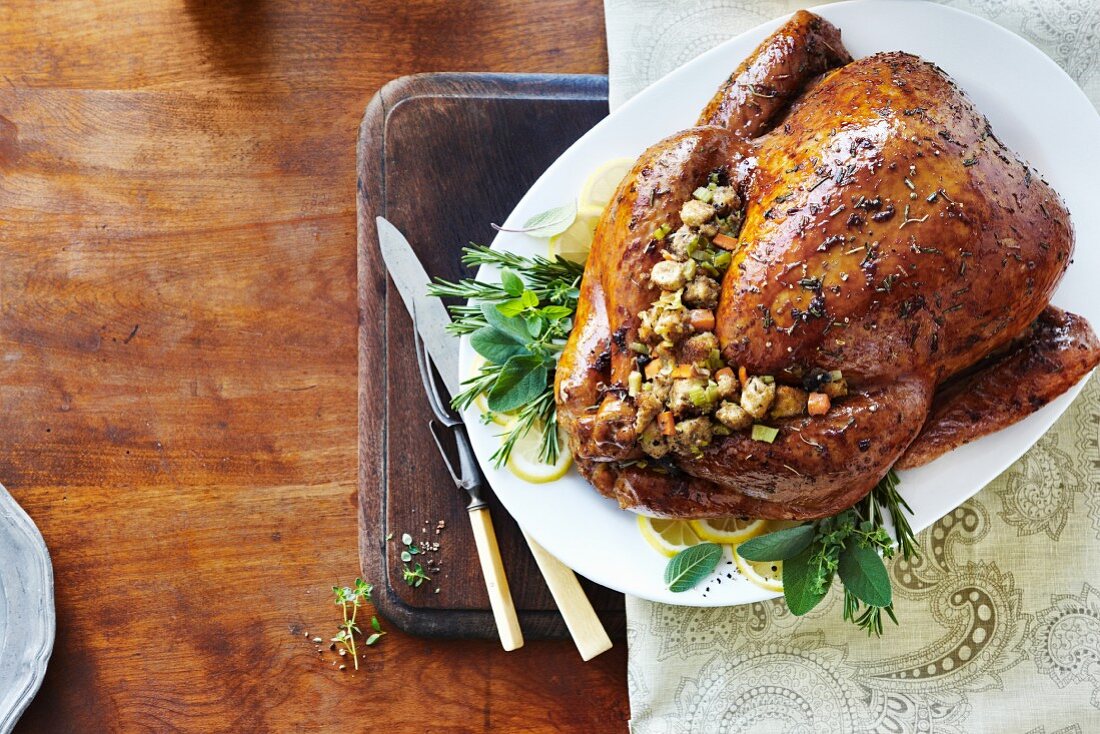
column 351, row 599
column 427, row 552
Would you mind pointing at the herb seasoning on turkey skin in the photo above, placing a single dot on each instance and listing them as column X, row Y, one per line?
column 883, row 232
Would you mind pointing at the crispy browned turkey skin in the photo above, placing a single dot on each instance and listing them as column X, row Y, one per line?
column 887, row 233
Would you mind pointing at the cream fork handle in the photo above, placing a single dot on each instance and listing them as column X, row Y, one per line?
column 496, row 582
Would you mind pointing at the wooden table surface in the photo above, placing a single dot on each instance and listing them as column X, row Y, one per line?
column 178, row 359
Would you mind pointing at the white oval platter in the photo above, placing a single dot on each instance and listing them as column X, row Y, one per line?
column 1035, row 108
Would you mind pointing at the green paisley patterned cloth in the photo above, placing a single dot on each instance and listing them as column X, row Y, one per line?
column 1001, row 613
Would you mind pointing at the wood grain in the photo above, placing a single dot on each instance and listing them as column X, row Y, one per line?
column 178, row 361
column 479, row 128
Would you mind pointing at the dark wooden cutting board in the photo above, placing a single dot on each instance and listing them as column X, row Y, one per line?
column 442, row 156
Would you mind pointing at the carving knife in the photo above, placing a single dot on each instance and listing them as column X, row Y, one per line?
column 431, row 319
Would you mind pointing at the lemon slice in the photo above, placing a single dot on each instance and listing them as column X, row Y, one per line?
column 765, row 574
column 574, row 243
column 475, row 366
column 601, row 183
column 524, row 460
column 669, row 537
column 728, row 529
column 770, row 526
column 482, row 404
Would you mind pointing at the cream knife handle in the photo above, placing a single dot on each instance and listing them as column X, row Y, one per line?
column 580, row 618
column 496, row 583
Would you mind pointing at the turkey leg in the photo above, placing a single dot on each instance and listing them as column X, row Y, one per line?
column 1055, row 352
column 776, row 73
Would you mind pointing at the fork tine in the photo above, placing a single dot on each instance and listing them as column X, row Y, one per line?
column 423, row 363
column 433, row 427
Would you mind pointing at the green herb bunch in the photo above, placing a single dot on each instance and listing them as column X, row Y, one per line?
column 851, row 545
column 519, row 326
column 350, row 599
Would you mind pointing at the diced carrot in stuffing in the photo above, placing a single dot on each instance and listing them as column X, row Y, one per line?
column 701, row 319
column 724, row 372
column 725, row 241
column 683, row 370
column 818, row 403
column 742, row 375
column 653, row 369
column 667, row 423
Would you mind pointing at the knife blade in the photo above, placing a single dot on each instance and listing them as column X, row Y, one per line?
column 431, row 315
column 431, row 319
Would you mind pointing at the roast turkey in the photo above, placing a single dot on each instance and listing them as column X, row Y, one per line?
column 839, row 270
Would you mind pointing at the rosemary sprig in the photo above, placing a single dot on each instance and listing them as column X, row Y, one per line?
column 870, row 619
column 552, row 282
column 885, row 495
column 541, row 270
column 542, row 412
column 469, row 290
column 480, row 383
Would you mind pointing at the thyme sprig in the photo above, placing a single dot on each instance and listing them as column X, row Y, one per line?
column 350, row 599
column 414, row 576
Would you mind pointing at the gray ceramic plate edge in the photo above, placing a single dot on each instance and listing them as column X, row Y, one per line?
column 26, row 610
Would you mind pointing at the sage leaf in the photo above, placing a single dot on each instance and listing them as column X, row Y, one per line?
column 551, row 222
column 691, row 565
column 864, row 574
column 508, row 325
column 777, row 546
column 799, row 582
column 512, row 283
column 521, row 380
column 495, row 345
